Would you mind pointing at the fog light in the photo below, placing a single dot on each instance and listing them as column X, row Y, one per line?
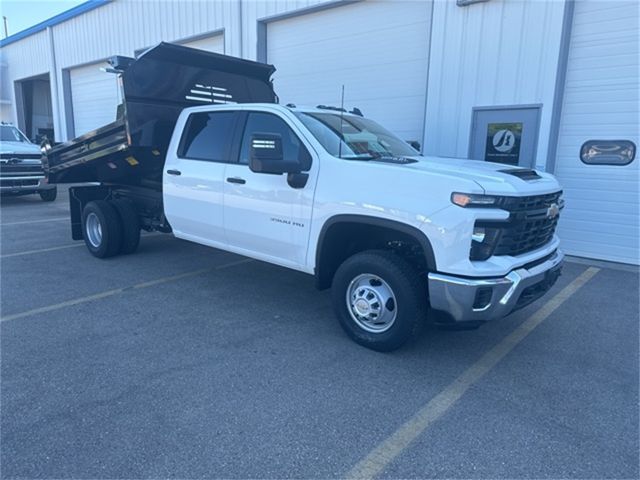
column 483, row 298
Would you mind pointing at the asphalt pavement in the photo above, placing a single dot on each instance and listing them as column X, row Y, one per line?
column 183, row 361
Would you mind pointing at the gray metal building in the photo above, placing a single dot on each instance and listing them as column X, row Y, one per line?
column 560, row 78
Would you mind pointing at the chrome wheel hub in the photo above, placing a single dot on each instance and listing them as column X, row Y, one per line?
column 371, row 303
column 93, row 230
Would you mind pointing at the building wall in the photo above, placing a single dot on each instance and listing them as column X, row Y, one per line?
column 483, row 55
column 254, row 11
column 26, row 58
column 124, row 27
column 381, row 77
column 6, row 113
column 491, row 54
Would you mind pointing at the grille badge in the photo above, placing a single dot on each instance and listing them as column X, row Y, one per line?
column 553, row 211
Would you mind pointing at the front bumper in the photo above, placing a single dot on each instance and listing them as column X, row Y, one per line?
column 479, row 300
column 31, row 183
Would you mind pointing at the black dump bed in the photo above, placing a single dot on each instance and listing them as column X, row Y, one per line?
column 156, row 87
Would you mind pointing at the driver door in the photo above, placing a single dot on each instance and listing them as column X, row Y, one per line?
column 264, row 217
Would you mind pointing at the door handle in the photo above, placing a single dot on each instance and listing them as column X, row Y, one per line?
column 239, row 180
column 174, row 172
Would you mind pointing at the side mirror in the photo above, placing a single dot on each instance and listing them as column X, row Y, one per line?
column 265, row 155
column 415, row 144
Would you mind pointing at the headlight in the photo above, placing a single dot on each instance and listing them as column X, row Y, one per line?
column 474, row 200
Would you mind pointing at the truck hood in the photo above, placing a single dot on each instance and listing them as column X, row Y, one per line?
column 19, row 148
column 493, row 178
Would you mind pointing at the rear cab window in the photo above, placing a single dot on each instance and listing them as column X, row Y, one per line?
column 207, row 136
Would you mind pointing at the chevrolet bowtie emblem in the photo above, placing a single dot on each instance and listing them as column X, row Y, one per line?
column 553, row 211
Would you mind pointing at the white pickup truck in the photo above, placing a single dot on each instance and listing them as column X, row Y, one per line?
column 396, row 235
column 21, row 171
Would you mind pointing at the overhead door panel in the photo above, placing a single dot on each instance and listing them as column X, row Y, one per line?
column 213, row 43
column 95, row 97
column 377, row 50
column 601, row 101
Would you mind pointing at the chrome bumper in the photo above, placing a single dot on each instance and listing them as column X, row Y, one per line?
column 24, row 183
column 477, row 300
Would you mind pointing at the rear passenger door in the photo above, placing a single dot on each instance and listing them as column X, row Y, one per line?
column 194, row 177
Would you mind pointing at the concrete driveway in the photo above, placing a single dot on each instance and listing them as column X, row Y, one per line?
column 182, row 361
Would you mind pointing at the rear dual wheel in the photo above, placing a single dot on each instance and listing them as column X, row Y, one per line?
column 110, row 228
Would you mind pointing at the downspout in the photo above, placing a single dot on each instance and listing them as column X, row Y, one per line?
column 240, row 28
column 53, row 79
column 561, row 75
column 426, row 88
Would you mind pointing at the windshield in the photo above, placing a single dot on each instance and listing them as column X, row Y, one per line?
column 357, row 139
column 11, row 134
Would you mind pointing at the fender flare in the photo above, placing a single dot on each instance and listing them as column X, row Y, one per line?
column 404, row 228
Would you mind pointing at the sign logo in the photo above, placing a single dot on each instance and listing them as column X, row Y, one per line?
column 553, row 211
column 504, row 141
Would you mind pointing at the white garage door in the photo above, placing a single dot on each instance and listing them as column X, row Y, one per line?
column 601, row 219
column 377, row 50
column 211, row 44
column 94, row 94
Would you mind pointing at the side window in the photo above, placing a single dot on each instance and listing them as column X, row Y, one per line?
column 207, row 136
column 608, row 152
column 292, row 147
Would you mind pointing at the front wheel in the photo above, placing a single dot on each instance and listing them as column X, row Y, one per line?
column 48, row 195
column 379, row 299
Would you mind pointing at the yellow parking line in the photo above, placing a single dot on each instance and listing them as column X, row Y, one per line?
column 41, row 250
column 382, row 455
column 57, row 219
column 62, row 247
column 115, row 291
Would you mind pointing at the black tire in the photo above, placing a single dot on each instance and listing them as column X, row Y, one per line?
column 48, row 195
column 408, row 289
column 110, row 240
column 130, row 226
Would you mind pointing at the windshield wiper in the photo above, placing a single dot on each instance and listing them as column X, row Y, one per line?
column 358, row 157
column 369, row 155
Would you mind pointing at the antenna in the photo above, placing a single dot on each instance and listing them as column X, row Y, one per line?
column 340, row 140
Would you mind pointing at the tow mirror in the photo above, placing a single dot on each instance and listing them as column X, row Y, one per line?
column 415, row 144
column 265, row 155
